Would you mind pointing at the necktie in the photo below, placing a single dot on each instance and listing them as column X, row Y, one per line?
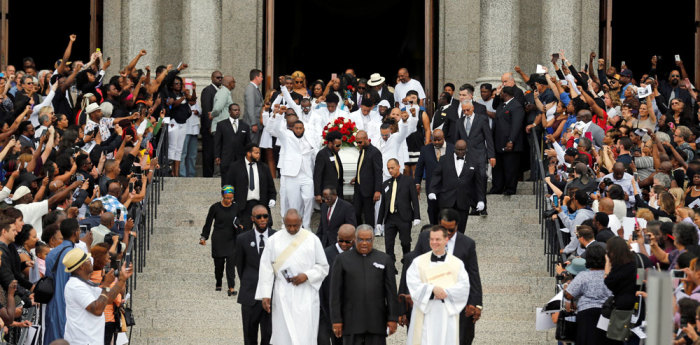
column 393, row 197
column 251, row 176
column 261, row 246
column 437, row 154
column 337, row 168
column 328, row 215
column 235, row 126
column 359, row 165
column 435, row 258
column 468, row 124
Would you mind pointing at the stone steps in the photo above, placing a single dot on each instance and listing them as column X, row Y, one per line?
column 175, row 302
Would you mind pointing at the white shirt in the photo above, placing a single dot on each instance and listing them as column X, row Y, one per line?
column 234, row 124
column 265, row 234
column 82, row 327
column 459, row 164
column 32, row 213
column 337, row 247
column 255, row 193
column 331, row 209
column 402, row 89
column 192, row 124
column 451, row 244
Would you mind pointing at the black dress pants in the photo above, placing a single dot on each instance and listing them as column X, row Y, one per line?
column 393, row 226
column 433, row 210
column 466, row 329
column 230, row 264
column 364, row 208
column 207, row 154
column 255, row 316
column 364, row 339
column 325, row 331
column 505, row 173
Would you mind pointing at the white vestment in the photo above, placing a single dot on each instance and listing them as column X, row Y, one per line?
column 295, row 309
column 434, row 321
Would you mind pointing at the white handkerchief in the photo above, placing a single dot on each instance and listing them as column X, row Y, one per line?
column 386, row 189
column 378, row 265
column 471, row 168
column 332, row 158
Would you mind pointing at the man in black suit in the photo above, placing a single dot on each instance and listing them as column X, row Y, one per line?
column 507, row 80
column 334, row 212
column 464, row 248
column 346, row 239
column 328, row 169
column 456, row 111
column 253, row 184
column 456, row 184
column 230, row 140
column 427, row 161
column 364, row 303
column 367, row 181
column 474, row 129
column 508, row 143
column 399, row 209
column 249, row 248
column 207, row 102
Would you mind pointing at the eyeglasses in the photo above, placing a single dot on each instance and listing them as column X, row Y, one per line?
column 675, row 76
column 345, row 241
column 262, row 216
column 298, row 82
column 361, row 87
column 675, row 103
column 367, row 240
column 219, row 77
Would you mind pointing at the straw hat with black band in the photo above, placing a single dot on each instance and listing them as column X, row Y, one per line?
column 74, row 259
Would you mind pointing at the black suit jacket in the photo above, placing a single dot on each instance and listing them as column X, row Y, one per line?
column 370, row 173
column 519, row 96
column 480, row 138
column 238, row 178
column 325, row 292
column 451, row 123
column 207, row 99
column 459, row 192
column 325, row 174
column 465, row 250
column 248, row 264
column 363, row 292
column 427, row 161
column 406, row 200
column 403, row 286
column 508, row 126
column 604, row 235
column 343, row 213
column 387, row 95
column 230, row 146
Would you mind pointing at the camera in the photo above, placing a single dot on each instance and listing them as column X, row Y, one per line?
column 549, row 213
column 564, row 276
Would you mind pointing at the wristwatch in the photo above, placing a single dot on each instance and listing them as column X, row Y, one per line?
column 479, row 307
column 106, row 290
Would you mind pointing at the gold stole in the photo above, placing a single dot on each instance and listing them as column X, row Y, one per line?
column 444, row 276
column 291, row 248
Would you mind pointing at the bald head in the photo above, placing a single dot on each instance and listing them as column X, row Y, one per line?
column 507, row 79
column 229, row 82
column 107, row 219
column 114, row 189
column 55, row 185
column 606, row 205
column 346, row 230
column 292, row 221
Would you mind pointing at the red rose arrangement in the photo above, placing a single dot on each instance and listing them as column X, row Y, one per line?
column 346, row 127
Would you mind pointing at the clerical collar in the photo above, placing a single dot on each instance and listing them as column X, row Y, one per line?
column 436, row 258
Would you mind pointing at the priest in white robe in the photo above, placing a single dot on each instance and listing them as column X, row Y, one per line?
column 292, row 268
column 439, row 288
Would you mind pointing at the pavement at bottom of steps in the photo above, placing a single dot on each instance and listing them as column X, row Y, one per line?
column 175, row 301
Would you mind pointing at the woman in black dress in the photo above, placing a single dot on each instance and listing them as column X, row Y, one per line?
column 223, row 239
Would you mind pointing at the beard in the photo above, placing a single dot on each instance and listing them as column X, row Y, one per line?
column 298, row 135
column 674, row 82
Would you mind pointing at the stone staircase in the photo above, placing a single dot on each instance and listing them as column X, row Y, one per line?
column 175, row 301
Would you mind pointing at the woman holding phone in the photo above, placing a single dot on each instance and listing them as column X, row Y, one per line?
column 223, row 238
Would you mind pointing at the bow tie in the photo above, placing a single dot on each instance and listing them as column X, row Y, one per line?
column 460, row 158
column 435, row 258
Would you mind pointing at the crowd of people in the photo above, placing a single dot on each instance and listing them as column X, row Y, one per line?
column 78, row 152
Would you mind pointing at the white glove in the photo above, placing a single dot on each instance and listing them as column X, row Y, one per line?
column 480, row 206
column 271, row 204
column 378, row 229
column 416, row 222
column 432, row 196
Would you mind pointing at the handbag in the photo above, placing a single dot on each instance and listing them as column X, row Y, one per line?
column 45, row 287
column 619, row 325
column 127, row 318
column 566, row 330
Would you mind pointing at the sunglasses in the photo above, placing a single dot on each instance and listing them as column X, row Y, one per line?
column 345, row 241
column 361, row 88
column 675, row 76
column 262, row 216
column 299, row 82
column 219, row 77
column 338, row 146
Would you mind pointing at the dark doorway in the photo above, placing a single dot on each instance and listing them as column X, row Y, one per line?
column 667, row 27
column 320, row 37
column 53, row 22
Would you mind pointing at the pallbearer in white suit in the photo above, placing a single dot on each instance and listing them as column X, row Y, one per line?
column 295, row 264
column 439, row 287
